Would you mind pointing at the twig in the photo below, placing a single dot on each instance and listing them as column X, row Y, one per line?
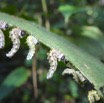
column 34, row 75
column 45, row 10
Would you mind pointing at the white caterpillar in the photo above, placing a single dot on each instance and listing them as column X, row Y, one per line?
column 3, row 25
column 31, row 42
column 2, row 39
column 93, row 96
column 76, row 75
column 54, row 56
column 15, row 34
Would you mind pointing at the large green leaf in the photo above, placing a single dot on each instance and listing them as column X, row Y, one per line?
column 89, row 66
column 15, row 79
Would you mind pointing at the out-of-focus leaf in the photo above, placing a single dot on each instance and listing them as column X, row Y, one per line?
column 28, row 62
column 68, row 10
column 68, row 97
column 73, row 89
column 15, row 79
column 91, row 39
column 42, row 54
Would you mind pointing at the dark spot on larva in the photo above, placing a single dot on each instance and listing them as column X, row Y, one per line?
column 63, row 58
column 37, row 43
column 6, row 26
column 23, row 33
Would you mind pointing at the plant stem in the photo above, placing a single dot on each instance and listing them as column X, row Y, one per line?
column 34, row 75
column 45, row 10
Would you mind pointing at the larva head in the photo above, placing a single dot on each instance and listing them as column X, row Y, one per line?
column 35, row 41
column 18, row 31
column 60, row 56
column 3, row 25
column 32, row 40
column 23, row 33
column 6, row 26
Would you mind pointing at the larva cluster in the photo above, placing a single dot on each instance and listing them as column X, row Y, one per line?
column 15, row 35
column 93, row 96
column 54, row 56
column 31, row 42
column 78, row 77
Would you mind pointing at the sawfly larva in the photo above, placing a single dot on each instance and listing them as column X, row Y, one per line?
column 77, row 76
column 15, row 34
column 93, row 96
column 31, row 42
column 54, row 56
column 3, row 26
column 2, row 39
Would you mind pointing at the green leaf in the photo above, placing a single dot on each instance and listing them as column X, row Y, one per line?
column 73, row 89
column 15, row 79
column 68, row 10
column 89, row 66
column 91, row 39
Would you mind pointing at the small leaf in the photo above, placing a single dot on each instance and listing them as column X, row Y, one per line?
column 68, row 10
column 15, row 79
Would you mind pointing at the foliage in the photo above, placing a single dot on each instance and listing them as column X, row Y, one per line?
column 79, row 25
column 15, row 79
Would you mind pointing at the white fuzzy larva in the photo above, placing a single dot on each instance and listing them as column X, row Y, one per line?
column 54, row 56
column 2, row 39
column 71, row 72
column 3, row 25
column 77, row 76
column 93, row 96
column 15, row 34
column 31, row 42
column 16, row 45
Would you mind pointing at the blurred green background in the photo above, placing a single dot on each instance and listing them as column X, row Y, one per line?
column 80, row 21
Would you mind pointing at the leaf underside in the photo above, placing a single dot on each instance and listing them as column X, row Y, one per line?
column 89, row 66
